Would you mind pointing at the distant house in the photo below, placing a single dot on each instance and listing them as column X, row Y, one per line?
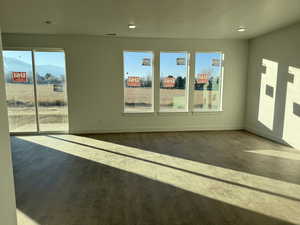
column 202, row 78
column 169, row 82
column 134, row 81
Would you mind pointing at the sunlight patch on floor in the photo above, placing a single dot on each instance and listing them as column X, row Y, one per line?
column 23, row 219
column 259, row 194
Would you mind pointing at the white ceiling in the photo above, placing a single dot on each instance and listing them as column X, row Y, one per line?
column 154, row 18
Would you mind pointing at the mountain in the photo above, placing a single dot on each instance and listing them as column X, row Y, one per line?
column 12, row 64
column 15, row 65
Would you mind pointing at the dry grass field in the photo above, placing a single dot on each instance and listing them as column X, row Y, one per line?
column 141, row 97
column 21, row 110
column 24, row 93
column 53, row 115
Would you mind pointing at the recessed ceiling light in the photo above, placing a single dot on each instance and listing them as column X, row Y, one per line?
column 131, row 26
column 241, row 29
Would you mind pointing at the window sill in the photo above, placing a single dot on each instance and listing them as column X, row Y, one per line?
column 134, row 114
column 195, row 113
column 183, row 113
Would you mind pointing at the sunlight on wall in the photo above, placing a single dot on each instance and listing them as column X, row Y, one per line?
column 268, row 93
column 256, row 193
column 291, row 131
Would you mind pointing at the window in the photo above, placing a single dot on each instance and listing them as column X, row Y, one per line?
column 175, row 84
column 20, row 97
column 173, row 81
column 36, row 90
column 51, row 92
column 138, row 81
column 208, row 81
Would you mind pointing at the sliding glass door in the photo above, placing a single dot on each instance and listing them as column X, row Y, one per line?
column 18, row 72
column 36, row 91
column 51, row 90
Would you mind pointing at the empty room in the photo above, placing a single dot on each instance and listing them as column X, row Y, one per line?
column 135, row 112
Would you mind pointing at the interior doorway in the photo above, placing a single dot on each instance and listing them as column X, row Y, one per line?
column 36, row 90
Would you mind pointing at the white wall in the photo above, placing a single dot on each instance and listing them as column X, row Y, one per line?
column 94, row 66
column 7, row 194
column 276, row 117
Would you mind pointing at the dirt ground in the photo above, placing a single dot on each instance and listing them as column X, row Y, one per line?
column 170, row 99
column 22, row 114
column 22, row 117
column 24, row 93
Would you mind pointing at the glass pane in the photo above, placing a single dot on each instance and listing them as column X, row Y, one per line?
column 138, row 76
column 207, row 87
column 20, row 91
column 173, row 80
column 51, row 91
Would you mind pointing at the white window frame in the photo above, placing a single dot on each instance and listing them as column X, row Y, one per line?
column 153, row 82
column 40, row 49
column 220, row 108
column 187, row 85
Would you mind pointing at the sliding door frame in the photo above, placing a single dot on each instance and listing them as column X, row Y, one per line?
column 33, row 50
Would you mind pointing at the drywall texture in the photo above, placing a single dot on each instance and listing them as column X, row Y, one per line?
column 95, row 82
column 7, row 193
column 273, row 96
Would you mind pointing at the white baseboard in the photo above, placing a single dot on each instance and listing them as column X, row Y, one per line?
column 154, row 129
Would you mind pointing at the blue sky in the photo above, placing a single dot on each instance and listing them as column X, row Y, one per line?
column 133, row 63
column 50, row 58
column 168, row 64
column 24, row 56
column 41, row 58
column 203, row 63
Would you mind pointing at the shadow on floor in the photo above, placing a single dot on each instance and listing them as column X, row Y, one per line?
column 228, row 149
column 56, row 188
column 175, row 168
